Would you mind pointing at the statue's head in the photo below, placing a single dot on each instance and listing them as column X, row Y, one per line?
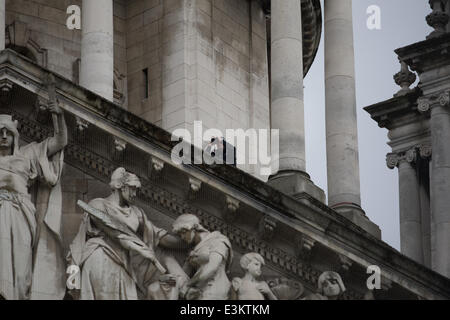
column 330, row 284
column 9, row 135
column 252, row 263
column 125, row 183
column 187, row 226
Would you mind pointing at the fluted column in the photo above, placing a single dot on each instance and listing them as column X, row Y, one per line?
column 287, row 109
column 2, row 24
column 97, row 47
column 340, row 106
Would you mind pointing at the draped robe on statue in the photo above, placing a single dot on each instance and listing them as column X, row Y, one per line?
column 218, row 287
column 31, row 259
column 108, row 270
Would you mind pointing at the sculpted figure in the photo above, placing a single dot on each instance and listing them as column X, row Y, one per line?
column 208, row 262
column 330, row 287
column 248, row 287
column 29, row 237
column 118, row 262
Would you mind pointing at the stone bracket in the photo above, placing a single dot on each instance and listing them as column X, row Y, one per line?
column 346, row 263
column 267, row 227
column 304, row 246
column 194, row 188
column 6, row 85
column 81, row 124
column 231, row 208
column 119, row 144
column 156, row 166
column 119, row 149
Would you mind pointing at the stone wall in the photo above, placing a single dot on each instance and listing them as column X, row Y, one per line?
column 143, row 51
column 203, row 60
column 44, row 24
column 206, row 60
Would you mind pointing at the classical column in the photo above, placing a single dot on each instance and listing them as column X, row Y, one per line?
column 340, row 106
column 423, row 172
column 287, row 106
column 440, row 178
column 287, row 83
column 97, row 47
column 410, row 206
column 2, row 24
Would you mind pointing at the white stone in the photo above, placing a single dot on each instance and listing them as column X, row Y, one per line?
column 341, row 123
column 97, row 47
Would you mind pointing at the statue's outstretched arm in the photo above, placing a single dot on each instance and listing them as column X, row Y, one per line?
column 59, row 139
column 172, row 242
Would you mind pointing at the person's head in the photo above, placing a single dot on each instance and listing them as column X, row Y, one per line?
column 125, row 184
column 9, row 135
column 252, row 263
column 187, row 226
column 330, row 284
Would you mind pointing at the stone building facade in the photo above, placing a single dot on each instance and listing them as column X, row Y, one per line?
column 139, row 69
column 418, row 124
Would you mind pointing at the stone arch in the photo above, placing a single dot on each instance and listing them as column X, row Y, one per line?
column 18, row 38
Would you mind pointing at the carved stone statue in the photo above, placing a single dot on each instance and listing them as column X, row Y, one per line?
column 29, row 234
column 166, row 288
column 248, row 287
column 330, row 287
column 208, row 262
column 118, row 261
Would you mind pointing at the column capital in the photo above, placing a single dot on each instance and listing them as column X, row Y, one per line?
column 412, row 155
column 424, row 104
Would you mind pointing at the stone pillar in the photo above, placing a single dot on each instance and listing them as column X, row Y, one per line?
column 440, row 183
column 287, row 106
column 97, row 47
column 287, row 83
column 340, row 106
column 340, row 109
column 2, row 24
column 410, row 208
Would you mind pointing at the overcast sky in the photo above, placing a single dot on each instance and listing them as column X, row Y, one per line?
column 402, row 23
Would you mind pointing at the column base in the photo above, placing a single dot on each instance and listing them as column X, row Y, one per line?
column 296, row 183
column 356, row 214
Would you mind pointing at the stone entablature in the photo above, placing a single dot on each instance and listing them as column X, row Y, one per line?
column 328, row 237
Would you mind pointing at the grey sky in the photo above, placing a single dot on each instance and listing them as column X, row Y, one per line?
column 402, row 23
